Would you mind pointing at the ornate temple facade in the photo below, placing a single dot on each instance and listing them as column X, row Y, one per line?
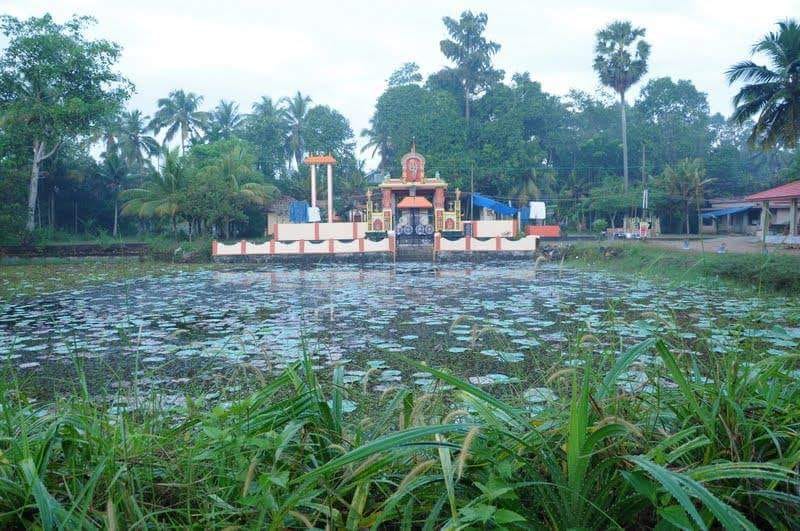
column 414, row 205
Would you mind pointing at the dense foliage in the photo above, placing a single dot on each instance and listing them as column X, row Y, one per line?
column 713, row 444
column 480, row 129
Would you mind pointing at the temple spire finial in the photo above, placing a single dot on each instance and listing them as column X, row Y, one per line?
column 413, row 144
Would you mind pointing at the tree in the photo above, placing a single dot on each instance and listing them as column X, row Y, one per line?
column 294, row 111
column 235, row 167
column 471, row 53
column 163, row 193
column 179, row 113
column 773, row 92
column 432, row 118
column 55, row 83
column 266, row 130
column 328, row 131
column 405, row 75
column 685, row 184
column 225, row 120
column 620, row 62
column 674, row 121
column 113, row 171
column 135, row 145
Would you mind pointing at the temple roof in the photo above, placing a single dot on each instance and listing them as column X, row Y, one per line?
column 400, row 185
column 414, row 201
column 320, row 159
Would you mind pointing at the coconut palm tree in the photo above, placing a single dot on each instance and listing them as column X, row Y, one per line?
column 163, row 193
column 108, row 132
column 225, row 120
column 620, row 62
column 294, row 111
column 135, row 145
column 236, row 168
column 114, row 172
column 179, row 113
column 266, row 129
column 378, row 142
column 685, row 183
column 772, row 96
column 265, row 109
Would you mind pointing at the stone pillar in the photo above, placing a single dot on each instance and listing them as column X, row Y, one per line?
column 313, row 185
column 330, row 193
column 793, row 217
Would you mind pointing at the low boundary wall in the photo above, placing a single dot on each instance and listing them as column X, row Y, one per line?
column 319, row 231
column 361, row 248
column 495, row 244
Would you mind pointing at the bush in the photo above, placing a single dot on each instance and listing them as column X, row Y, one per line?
column 599, row 225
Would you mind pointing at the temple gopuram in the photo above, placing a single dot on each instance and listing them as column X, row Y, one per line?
column 413, row 205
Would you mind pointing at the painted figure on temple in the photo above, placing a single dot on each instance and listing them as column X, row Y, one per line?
column 413, row 166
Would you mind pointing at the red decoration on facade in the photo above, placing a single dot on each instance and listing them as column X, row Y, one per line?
column 438, row 198
column 413, row 166
column 449, row 224
column 377, row 225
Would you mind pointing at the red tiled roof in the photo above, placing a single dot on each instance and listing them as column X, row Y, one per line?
column 320, row 159
column 414, row 201
column 785, row 191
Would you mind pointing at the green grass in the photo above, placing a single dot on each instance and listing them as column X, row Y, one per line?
column 691, row 454
column 778, row 273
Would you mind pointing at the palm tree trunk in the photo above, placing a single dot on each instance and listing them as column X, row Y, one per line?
column 52, row 215
column 624, row 141
column 466, row 105
column 116, row 217
column 686, row 212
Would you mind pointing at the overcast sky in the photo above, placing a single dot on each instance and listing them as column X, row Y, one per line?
column 341, row 52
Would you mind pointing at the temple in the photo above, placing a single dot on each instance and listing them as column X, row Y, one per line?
column 414, row 221
column 413, row 205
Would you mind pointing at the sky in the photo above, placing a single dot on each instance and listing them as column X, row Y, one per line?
column 341, row 52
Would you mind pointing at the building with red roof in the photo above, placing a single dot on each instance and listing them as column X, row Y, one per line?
column 789, row 192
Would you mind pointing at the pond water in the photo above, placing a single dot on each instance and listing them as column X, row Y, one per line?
column 494, row 324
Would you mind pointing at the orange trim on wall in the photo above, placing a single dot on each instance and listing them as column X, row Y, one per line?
column 275, row 231
column 437, row 241
column 272, row 247
column 213, row 247
column 361, row 245
column 302, row 246
column 468, row 243
column 243, row 247
column 330, row 246
column 355, row 230
column 316, row 230
column 475, row 228
column 497, row 243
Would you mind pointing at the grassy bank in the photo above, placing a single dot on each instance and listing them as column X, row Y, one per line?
column 692, row 443
column 764, row 273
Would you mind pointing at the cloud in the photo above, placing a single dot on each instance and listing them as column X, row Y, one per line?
column 341, row 53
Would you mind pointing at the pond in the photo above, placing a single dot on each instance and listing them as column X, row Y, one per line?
column 492, row 323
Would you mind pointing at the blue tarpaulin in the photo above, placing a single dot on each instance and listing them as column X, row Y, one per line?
column 497, row 206
column 298, row 211
column 721, row 212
